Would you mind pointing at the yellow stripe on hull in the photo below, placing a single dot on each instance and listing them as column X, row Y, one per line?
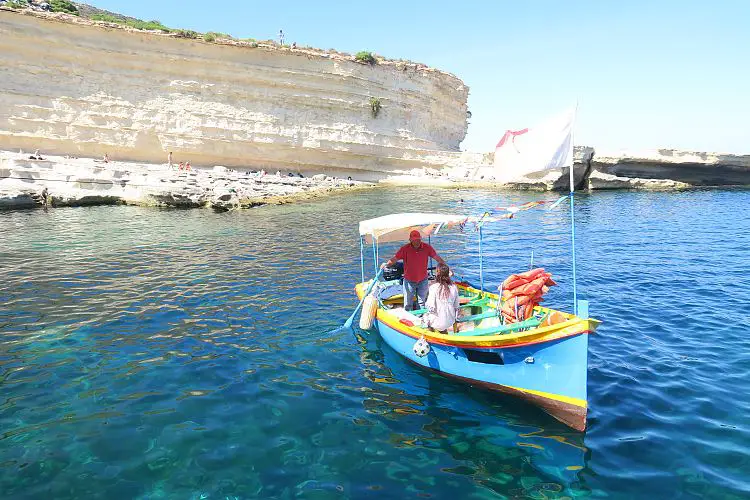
column 573, row 326
column 555, row 397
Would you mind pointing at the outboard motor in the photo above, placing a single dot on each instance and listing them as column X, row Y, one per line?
column 394, row 272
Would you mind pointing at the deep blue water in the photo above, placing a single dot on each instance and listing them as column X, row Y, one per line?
column 149, row 353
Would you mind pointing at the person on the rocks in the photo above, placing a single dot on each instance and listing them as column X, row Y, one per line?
column 106, row 158
column 46, row 198
column 442, row 302
column 169, row 159
column 415, row 255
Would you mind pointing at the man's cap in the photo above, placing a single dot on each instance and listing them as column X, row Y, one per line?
column 414, row 235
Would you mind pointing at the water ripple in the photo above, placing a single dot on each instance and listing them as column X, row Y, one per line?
column 190, row 354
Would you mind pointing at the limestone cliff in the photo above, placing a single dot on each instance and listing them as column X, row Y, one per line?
column 84, row 88
column 667, row 169
column 664, row 169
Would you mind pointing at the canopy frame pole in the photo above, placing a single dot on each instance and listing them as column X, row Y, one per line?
column 481, row 265
column 374, row 255
column 573, row 231
column 377, row 255
column 362, row 256
column 429, row 242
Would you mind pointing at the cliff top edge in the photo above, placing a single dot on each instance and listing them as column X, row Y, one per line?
column 214, row 38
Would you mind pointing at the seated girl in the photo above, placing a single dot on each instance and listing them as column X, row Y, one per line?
column 442, row 302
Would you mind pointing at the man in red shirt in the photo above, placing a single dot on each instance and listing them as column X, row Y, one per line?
column 415, row 255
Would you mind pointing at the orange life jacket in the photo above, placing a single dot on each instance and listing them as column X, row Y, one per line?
column 521, row 293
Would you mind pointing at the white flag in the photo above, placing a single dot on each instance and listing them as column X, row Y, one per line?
column 546, row 146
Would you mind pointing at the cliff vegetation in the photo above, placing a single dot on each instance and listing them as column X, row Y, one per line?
column 97, row 15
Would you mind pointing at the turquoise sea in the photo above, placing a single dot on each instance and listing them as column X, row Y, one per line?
column 151, row 353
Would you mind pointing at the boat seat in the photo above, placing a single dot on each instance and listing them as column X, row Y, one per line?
column 492, row 313
column 529, row 323
column 419, row 312
column 402, row 313
column 476, row 302
column 389, row 290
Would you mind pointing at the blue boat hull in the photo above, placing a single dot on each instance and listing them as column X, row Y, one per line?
column 551, row 375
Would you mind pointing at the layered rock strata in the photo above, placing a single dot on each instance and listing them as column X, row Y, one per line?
column 479, row 171
column 667, row 169
column 87, row 88
column 662, row 170
column 78, row 87
column 58, row 181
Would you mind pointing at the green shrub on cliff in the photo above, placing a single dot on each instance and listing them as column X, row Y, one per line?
column 63, row 6
column 211, row 36
column 375, row 106
column 187, row 34
column 133, row 23
column 107, row 18
column 17, row 4
column 365, row 57
column 148, row 25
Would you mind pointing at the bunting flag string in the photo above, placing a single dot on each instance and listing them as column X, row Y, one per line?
column 531, row 204
column 562, row 198
column 501, row 213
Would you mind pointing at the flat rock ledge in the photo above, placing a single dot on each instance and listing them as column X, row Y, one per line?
column 62, row 182
column 660, row 170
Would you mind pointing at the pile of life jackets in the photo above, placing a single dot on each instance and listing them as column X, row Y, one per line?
column 520, row 293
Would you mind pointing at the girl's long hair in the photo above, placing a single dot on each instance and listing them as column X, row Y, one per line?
column 443, row 277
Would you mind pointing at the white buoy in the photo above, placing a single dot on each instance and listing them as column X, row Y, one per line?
column 369, row 309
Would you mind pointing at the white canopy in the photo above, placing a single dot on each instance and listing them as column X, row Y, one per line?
column 396, row 227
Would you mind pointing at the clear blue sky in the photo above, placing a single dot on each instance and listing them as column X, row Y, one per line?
column 646, row 74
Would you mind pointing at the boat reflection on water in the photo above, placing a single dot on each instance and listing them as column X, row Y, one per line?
column 493, row 440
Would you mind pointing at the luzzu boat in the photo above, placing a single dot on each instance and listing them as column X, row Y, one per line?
column 542, row 359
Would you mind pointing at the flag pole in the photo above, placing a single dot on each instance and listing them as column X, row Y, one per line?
column 572, row 216
column 481, row 273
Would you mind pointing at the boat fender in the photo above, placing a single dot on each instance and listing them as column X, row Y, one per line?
column 421, row 348
column 369, row 309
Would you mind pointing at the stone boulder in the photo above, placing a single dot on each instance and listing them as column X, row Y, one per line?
column 600, row 181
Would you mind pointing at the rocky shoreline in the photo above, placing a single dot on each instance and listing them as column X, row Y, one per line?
column 660, row 170
column 62, row 182
column 65, row 181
